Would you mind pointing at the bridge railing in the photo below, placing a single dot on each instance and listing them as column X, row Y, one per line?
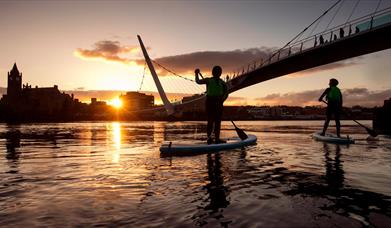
column 336, row 33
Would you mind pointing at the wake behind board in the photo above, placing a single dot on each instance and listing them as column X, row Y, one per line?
column 173, row 149
column 330, row 138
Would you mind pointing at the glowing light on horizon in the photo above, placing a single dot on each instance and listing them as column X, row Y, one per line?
column 116, row 103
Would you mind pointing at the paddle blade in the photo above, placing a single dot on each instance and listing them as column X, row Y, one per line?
column 371, row 132
column 242, row 135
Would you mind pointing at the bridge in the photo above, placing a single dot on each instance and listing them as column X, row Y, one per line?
column 358, row 37
column 371, row 34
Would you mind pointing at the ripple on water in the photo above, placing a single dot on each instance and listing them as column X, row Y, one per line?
column 111, row 174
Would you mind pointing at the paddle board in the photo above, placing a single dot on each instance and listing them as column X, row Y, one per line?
column 332, row 138
column 174, row 149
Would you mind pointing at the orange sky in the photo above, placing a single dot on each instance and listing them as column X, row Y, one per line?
column 89, row 45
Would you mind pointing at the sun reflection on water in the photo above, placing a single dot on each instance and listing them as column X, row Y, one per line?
column 116, row 132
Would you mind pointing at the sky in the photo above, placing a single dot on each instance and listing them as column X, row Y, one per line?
column 90, row 48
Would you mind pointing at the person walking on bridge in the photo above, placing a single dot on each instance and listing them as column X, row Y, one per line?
column 216, row 94
column 334, row 105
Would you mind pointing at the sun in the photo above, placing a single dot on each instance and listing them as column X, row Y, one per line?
column 116, row 103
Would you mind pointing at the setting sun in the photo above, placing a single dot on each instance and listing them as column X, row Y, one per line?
column 116, row 103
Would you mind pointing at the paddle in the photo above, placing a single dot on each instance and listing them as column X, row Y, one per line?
column 201, row 75
column 242, row 135
column 371, row 132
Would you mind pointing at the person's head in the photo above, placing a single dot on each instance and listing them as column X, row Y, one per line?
column 216, row 71
column 333, row 82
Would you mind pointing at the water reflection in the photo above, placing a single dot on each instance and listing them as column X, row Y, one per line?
column 334, row 169
column 217, row 191
column 116, row 134
column 111, row 174
column 12, row 143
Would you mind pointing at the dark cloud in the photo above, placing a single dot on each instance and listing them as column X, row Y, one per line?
column 230, row 61
column 110, row 51
column 351, row 97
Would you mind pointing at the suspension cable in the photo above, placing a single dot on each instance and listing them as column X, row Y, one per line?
column 377, row 7
column 172, row 72
column 313, row 29
column 142, row 80
column 335, row 14
column 305, row 29
column 351, row 13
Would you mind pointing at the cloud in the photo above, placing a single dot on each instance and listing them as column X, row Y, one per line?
column 110, row 51
column 351, row 97
column 184, row 64
column 230, row 61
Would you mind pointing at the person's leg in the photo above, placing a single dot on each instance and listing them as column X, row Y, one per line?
column 337, row 122
column 217, row 128
column 327, row 121
column 210, row 118
column 209, row 129
column 219, row 113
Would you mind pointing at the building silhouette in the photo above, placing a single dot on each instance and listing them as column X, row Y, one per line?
column 382, row 121
column 14, row 85
column 137, row 101
column 24, row 103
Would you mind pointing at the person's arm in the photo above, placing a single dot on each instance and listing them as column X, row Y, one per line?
column 197, row 79
column 341, row 100
column 323, row 94
column 225, row 96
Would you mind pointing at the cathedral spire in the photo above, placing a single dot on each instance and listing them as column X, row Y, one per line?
column 15, row 69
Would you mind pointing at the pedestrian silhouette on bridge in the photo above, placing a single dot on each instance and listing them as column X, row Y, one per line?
column 321, row 40
column 341, row 33
column 334, row 105
column 216, row 94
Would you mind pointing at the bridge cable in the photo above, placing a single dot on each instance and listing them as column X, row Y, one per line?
column 313, row 29
column 351, row 13
column 335, row 14
column 142, row 80
column 179, row 87
column 172, row 72
column 377, row 7
column 180, row 76
column 305, row 29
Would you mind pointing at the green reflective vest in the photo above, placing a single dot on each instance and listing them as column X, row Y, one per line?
column 334, row 94
column 216, row 87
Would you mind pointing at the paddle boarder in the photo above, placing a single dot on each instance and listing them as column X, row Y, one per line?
column 216, row 94
column 334, row 105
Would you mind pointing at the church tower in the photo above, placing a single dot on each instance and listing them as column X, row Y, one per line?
column 14, row 87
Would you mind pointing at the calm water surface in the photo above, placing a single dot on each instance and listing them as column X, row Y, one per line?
column 111, row 174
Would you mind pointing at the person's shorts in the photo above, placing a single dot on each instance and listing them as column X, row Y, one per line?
column 333, row 109
column 214, row 106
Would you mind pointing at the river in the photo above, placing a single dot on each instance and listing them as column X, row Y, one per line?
column 111, row 174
